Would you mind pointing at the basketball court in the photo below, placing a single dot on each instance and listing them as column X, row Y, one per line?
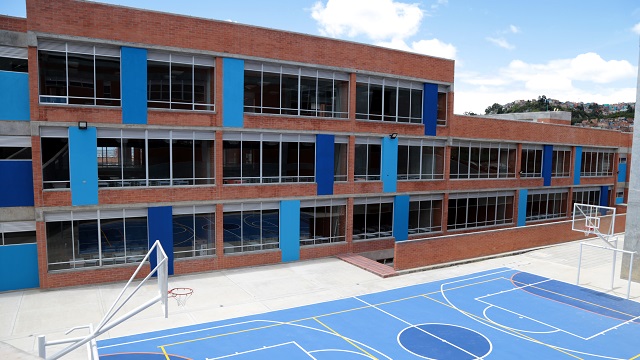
column 499, row 314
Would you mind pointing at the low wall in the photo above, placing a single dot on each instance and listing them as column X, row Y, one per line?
column 412, row 254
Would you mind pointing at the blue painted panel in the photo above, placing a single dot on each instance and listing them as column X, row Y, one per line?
column 232, row 92
column 522, row 206
column 324, row 163
column 401, row 217
column 14, row 101
column 547, row 161
column 290, row 234
column 83, row 166
column 604, row 195
column 622, row 172
column 160, row 225
column 134, row 85
column 577, row 165
column 619, row 200
column 430, row 109
column 18, row 267
column 389, row 170
column 16, row 183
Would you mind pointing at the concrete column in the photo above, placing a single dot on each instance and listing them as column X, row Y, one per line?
column 632, row 227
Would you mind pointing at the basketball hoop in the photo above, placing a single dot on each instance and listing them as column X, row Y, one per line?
column 181, row 295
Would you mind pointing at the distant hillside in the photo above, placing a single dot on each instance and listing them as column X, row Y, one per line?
column 579, row 111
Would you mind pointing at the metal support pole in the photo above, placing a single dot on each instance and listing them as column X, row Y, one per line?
column 629, row 280
column 579, row 265
column 613, row 267
column 42, row 346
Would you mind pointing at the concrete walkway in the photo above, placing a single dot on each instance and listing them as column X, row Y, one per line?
column 233, row 293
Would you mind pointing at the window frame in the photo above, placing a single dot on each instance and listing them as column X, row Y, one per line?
column 96, row 51
column 314, row 239
column 436, row 212
column 385, row 115
column 437, row 166
column 590, row 167
column 476, row 150
column 368, row 143
column 470, row 200
column 247, row 243
column 552, row 204
column 534, row 153
column 370, row 204
column 197, row 250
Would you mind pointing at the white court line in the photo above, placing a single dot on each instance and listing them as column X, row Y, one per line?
column 341, row 350
column 261, row 349
column 512, row 328
column 512, row 289
column 422, row 330
column 614, row 328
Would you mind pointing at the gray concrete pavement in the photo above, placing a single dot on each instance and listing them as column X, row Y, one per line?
column 240, row 292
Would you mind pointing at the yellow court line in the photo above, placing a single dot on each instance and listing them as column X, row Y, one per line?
column 483, row 320
column 165, row 353
column 221, row 335
column 577, row 299
column 346, row 339
column 635, row 357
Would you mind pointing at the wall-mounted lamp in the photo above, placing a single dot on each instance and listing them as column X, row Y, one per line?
column 521, row 172
column 393, row 136
column 82, row 125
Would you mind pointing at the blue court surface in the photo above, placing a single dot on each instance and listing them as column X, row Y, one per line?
column 497, row 314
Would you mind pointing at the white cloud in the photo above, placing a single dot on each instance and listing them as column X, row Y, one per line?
column 586, row 77
column 501, row 42
column 376, row 19
column 433, row 47
column 514, row 29
column 636, row 28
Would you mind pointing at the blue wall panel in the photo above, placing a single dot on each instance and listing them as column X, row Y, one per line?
column 622, row 172
column 134, row 85
column 522, row 206
column 604, row 195
column 14, row 98
column 547, row 161
column 83, row 166
column 430, row 109
column 389, row 170
column 16, row 183
column 18, row 267
column 290, row 230
column 324, row 163
column 232, row 92
column 401, row 217
column 619, row 200
column 160, row 224
column 577, row 166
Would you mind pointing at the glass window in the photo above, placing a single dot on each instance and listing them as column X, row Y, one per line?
column 473, row 210
column 561, row 162
column 178, row 81
column 442, row 108
column 125, row 159
column 531, row 165
column 119, row 237
column 545, row 205
column 372, row 218
column 255, row 228
column 275, row 89
column 367, row 161
column 597, row 162
column 322, row 222
column 270, row 160
column 55, row 163
column 16, row 238
column 15, row 153
column 475, row 160
column 589, row 196
column 388, row 100
column 420, row 160
column 14, row 65
column 425, row 216
column 193, row 234
column 340, row 161
column 79, row 74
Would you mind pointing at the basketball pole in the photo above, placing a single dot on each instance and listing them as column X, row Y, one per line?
column 632, row 226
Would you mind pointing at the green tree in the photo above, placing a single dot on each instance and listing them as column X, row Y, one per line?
column 494, row 109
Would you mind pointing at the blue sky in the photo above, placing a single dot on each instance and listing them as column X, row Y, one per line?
column 505, row 50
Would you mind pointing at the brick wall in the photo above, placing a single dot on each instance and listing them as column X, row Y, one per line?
column 79, row 18
column 11, row 23
column 439, row 250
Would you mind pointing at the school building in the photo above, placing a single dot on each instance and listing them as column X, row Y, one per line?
column 236, row 145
